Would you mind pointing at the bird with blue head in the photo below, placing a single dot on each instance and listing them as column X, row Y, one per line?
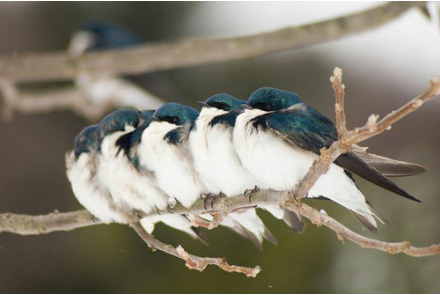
column 279, row 136
column 217, row 165
column 82, row 171
column 163, row 151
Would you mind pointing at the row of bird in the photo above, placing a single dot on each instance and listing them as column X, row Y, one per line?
column 135, row 162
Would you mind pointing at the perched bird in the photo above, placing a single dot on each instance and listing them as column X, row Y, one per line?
column 217, row 166
column 163, row 151
column 116, row 171
column 82, row 168
column 98, row 35
column 278, row 137
column 216, row 161
column 108, row 89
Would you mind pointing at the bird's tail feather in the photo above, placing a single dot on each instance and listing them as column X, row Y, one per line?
column 388, row 167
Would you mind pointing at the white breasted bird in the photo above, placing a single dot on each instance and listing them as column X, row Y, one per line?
column 218, row 166
column 278, row 137
column 82, row 168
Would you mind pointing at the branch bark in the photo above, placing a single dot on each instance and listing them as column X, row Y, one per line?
column 185, row 53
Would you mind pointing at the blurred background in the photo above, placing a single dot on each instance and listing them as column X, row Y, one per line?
column 383, row 69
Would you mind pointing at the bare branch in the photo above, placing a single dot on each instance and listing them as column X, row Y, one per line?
column 91, row 98
column 319, row 219
column 66, row 98
column 338, row 87
column 150, row 58
column 193, row 261
column 43, row 224
column 372, row 127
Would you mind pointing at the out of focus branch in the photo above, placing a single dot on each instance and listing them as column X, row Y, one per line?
column 154, row 57
column 91, row 98
column 40, row 102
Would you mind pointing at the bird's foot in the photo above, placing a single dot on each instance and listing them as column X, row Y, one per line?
column 209, row 200
column 248, row 193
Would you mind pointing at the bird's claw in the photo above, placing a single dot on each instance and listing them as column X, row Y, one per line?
column 248, row 193
column 210, row 199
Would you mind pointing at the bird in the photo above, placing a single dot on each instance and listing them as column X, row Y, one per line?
column 108, row 89
column 278, row 137
column 216, row 161
column 98, row 35
column 125, row 179
column 163, row 151
column 82, row 169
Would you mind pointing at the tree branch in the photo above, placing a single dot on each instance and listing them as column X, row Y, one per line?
column 185, row 53
column 22, row 224
column 66, row 98
column 193, row 261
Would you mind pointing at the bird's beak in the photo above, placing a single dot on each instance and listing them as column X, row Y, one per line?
column 203, row 104
column 246, row 107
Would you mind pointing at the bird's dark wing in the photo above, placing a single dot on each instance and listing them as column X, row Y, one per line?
column 304, row 127
column 300, row 127
column 227, row 119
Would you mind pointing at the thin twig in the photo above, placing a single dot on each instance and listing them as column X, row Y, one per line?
column 338, row 87
column 319, row 219
column 193, row 261
column 149, row 58
column 372, row 127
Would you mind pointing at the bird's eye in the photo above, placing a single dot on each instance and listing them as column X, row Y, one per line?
column 171, row 119
column 220, row 105
column 264, row 106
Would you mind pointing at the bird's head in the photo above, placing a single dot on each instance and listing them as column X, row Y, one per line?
column 87, row 140
column 272, row 99
column 175, row 113
column 224, row 102
column 119, row 120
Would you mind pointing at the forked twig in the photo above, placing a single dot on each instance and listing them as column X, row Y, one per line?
column 193, row 261
column 322, row 219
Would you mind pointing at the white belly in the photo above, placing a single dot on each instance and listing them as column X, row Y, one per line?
column 87, row 189
column 171, row 165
